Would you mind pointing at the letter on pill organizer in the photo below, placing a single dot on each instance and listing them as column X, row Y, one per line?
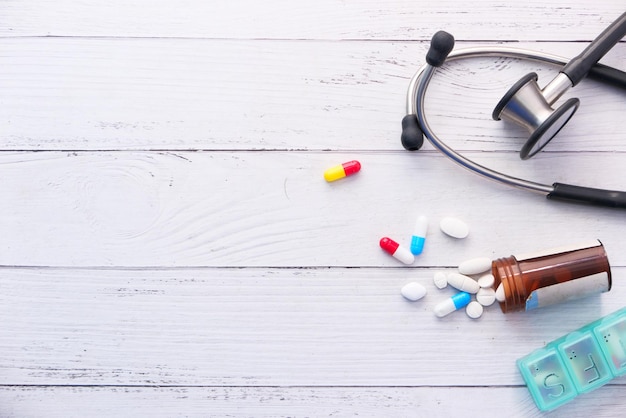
column 396, row 250
column 547, row 379
column 458, row 301
column 419, row 235
column 343, row 170
column 583, row 357
column 575, row 363
column 611, row 334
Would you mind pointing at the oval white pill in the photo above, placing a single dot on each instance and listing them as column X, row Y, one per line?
column 486, row 296
column 486, row 280
column 474, row 310
column 413, row 291
column 454, row 227
column 500, row 296
column 463, row 283
column 475, row 265
column 440, row 279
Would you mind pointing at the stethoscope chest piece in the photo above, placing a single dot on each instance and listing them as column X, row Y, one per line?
column 526, row 105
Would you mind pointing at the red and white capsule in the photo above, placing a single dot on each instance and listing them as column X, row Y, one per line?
column 397, row 251
column 342, row 170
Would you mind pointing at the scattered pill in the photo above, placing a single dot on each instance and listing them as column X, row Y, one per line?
column 440, row 279
column 454, row 227
column 413, row 291
column 451, row 304
column 486, row 281
column 343, row 170
column 475, row 265
column 419, row 235
column 397, row 251
column 486, row 296
column 500, row 296
column 474, row 310
column 463, row 283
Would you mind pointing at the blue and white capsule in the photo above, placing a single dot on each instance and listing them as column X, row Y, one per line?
column 458, row 301
column 419, row 235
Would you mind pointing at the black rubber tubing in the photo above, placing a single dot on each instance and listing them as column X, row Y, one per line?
column 580, row 65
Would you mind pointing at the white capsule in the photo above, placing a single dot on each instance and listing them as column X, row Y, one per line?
column 500, row 296
column 486, row 281
column 463, row 283
column 413, row 291
column 486, row 296
column 440, row 279
column 475, row 265
column 454, row 227
column 474, row 310
column 396, row 250
column 451, row 304
column 419, row 235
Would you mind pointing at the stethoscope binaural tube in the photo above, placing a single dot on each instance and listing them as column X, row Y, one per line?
column 415, row 122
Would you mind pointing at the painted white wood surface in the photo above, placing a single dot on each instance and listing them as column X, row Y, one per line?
column 169, row 247
column 265, row 95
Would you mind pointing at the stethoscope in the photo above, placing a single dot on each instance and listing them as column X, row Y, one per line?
column 525, row 104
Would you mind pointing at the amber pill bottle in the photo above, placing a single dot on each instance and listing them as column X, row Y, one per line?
column 553, row 276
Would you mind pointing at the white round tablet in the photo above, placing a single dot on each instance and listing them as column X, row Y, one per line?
column 440, row 279
column 413, row 291
column 500, row 295
column 454, row 227
column 486, row 296
column 474, row 310
column 486, row 280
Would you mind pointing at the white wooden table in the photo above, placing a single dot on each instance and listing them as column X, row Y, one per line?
column 168, row 246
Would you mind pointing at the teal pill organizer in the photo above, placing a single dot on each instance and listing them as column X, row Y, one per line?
column 576, row 363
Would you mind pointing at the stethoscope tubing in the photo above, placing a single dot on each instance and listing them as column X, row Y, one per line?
column 415, row 105
column 479, row 52
column 415, row 99
column 422, row 86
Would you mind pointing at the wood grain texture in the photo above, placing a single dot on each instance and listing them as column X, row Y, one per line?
column 324, row 19
column 263, row 327
column 401, row 402
column 168, row 246
column 111, row 94
column 241, row 209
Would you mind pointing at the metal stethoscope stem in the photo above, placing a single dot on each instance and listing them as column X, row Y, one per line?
column 525, row 104
column 415, row 105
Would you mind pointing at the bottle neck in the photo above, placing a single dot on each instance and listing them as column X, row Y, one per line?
column 506, row 270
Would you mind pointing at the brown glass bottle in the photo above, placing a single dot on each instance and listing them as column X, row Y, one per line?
column 553, row 276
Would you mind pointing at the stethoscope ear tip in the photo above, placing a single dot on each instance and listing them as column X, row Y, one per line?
column 441, row 45
column 412, row 136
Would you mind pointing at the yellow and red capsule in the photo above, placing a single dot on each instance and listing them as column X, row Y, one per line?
column 342, row 170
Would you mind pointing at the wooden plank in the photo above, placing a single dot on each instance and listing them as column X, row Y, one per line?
column 103, row 94
column 323, row 19
column 263, row 327
column 21, row 402
column 242, row 209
